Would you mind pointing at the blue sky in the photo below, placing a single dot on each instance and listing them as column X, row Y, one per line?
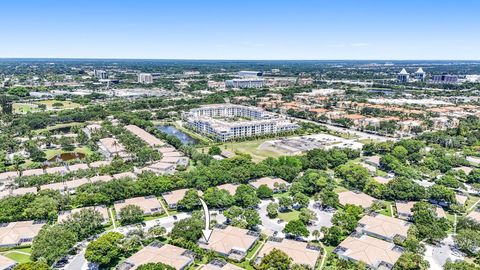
column 247, row 29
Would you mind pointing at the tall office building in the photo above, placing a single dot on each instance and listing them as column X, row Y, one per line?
column 445, row 78
column 420, row 75
column 249, row 74
column 145, row 78
column 100, row 74
column 403, row 76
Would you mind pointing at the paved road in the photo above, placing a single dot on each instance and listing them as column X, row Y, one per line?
column 438, row 255
column 269, row 226
column 324, row 217
column 360, row 134
column 80, row 263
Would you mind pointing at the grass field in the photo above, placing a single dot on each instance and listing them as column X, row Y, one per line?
column 339, row 189
column 288, row 216
column 22, row 108
column 19, row 255
column 283, row 194
column 388, row 210
column 470, row 202
column 58, row 126
column 66, row 104
column 249, row 147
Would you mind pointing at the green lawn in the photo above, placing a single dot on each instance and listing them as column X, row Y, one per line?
column 66, row 104
column 471, row 201
column 288, row 216
column 388, row 210
column 282, row 194
column 339, row 189
column 22, row 108
column 251, row 148
column 147, row 218
column 58, row 126
column 17, row 256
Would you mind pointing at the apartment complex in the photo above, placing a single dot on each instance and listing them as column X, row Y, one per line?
column 218, row 121
column 145, row 78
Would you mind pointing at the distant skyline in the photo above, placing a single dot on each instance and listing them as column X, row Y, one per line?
column 241, row 30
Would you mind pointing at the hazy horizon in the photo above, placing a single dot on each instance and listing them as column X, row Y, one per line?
column 241, row 30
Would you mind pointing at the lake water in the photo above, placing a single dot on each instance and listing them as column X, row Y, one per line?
column 67, row 156
column 182, row 136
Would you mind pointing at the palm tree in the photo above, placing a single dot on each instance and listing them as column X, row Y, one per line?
column 316, row 234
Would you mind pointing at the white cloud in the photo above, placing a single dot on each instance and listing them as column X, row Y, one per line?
column 359, row 44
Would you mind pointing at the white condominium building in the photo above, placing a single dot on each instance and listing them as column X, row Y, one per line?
column 218, row 121
column 145, row 78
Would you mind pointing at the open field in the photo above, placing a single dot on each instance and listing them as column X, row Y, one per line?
column 19, row 255
column 58, row 126
column 288, row 216
column 248, row 147
column 66, row 104
column 23, row 108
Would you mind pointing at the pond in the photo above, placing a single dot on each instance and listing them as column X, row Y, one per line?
column 67, row 156
column 182, row 136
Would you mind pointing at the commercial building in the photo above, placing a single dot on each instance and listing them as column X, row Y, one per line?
column 445, row 78
column 249, row 74
column 403, row 76
column 231, row 242
column 245, row 83
column 420, row 75
column 226, row 122
column 375, row 253
column 178, row 258
column 301, row 252
column 145, row 78
column 19, row 233
column 100, row 74
column 149, row 205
